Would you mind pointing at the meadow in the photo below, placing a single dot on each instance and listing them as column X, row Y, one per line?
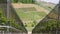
column 30, row 16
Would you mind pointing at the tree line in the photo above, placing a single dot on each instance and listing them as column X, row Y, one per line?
column 23, row 1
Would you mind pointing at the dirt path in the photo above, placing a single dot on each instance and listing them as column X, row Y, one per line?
column 29, row 32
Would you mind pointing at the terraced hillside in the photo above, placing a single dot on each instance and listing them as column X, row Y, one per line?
column 30, row 14
column 33, row 13
column 38, row 8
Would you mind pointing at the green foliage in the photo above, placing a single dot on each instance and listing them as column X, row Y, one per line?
column 14, row 1
column 23, row 1
column 1, row 13
column 30, row 18
column 29, row 15
column 50, row 25
column 9, row 22
column 32, row 25
column 35, row 22
column 3, row 21
column 2, row 18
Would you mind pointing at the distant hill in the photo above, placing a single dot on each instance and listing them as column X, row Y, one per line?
column 50, row 7
column 46, row 5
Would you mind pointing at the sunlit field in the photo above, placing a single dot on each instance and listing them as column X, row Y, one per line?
column 30, row 16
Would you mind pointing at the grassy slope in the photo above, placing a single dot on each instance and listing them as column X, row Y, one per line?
column 29, row 16
column 46, row 5
column 50, row 7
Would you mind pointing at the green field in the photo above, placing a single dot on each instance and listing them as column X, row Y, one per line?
column 33, row 15
column 30, row 18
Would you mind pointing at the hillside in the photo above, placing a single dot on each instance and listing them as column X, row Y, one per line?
column 51, row 7
column 31, row 13
column 46, row 5
column 36, row 7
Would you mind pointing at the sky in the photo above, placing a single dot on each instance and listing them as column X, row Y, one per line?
column 52, row 1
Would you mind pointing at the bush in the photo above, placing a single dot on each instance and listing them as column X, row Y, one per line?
column 32, row 25
column 34, row 22
column 50, row 25
column 10, row 22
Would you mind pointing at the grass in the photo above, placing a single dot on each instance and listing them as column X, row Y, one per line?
column 44, row 5
column 29, row 16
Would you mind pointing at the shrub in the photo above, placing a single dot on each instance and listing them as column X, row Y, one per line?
column 34, row 22
column 32, row 25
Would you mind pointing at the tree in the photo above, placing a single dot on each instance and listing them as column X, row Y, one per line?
column 23, row 1
column 14, row 1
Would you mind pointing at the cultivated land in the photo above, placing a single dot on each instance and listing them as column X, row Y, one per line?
column 30, row 13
